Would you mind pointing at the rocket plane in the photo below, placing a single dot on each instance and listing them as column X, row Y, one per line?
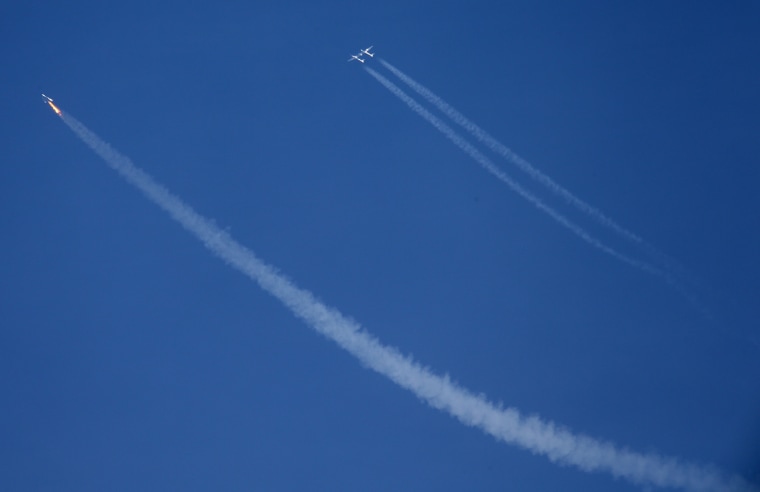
column 49, row 101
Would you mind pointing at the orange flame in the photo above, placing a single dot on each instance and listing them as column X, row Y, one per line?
column 55, row 108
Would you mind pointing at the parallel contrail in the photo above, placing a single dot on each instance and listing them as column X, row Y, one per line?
column 492, row 168
column 506, row 424
column 509, row 155
column 525, row 166
column 677, row 275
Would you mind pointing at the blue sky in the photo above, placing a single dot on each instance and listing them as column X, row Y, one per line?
column 134, row 359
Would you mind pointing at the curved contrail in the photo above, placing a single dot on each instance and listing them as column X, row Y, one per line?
column 539, row 436
column 492, row 168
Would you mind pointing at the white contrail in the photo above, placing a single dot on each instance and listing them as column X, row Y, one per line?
column 506, row 424
column 492, row 168
column 525, row 166
column 509, row 155
column 674, row 268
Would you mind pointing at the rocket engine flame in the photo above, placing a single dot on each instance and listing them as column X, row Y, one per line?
column 55, row 108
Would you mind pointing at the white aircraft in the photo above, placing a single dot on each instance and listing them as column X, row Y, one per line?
column 49, row 102
column 366, row 52
column 356, row 57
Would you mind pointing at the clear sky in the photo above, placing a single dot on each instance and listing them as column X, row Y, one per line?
column 133, row 359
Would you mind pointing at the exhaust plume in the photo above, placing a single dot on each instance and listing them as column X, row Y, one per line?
column 539, row 436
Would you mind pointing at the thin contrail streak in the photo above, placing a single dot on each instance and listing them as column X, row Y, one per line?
column 492, row 168
column 509, row 155
column 674, row 269
column 525, row 166
column 506, row 424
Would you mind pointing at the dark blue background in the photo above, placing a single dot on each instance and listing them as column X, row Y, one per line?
column 131, row 359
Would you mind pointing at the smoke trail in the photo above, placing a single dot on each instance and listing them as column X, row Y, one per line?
column 504, row 177
column 506, row 424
